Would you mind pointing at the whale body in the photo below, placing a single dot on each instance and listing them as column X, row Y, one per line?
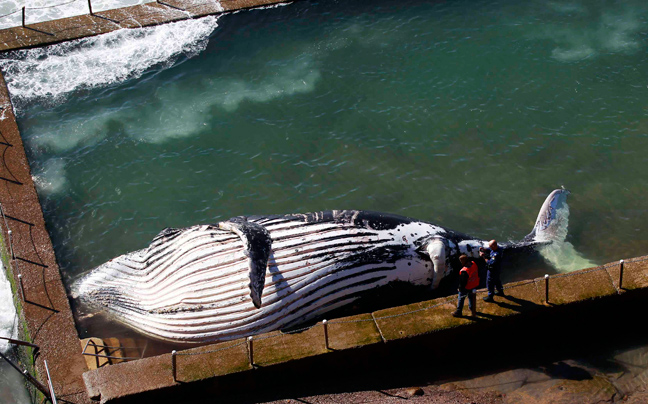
column 250, row 275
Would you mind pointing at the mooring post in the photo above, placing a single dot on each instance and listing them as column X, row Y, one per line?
column 621, row 274
column 90, row 7
column 22, row 287
column 173, row 365
column 325, row 324
column 23, row 24
column 250, row 346
column 547, row 288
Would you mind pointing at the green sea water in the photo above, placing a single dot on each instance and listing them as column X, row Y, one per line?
column 464, row 113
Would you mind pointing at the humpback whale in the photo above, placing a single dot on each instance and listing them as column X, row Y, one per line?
column 249, row 275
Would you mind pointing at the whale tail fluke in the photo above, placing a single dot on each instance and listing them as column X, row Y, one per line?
column 552, row 221
column 550, row 231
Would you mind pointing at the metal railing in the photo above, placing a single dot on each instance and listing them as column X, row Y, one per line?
column 108, row 352
column 249, row 341
column 48, row 391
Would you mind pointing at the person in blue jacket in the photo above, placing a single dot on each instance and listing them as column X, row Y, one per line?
column 494, row 262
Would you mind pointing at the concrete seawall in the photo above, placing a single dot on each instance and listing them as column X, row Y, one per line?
column 66, row 29
column 29, row 254
column 577, row 306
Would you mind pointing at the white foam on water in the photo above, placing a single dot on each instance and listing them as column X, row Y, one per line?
column 8, row 318
column 618, row 30
column 47, row 10
column 561, row 254
column 567, row 7
column 176, row 110
column 573, row 53
column 51, row 179
column 49, row 74
column 564, row 257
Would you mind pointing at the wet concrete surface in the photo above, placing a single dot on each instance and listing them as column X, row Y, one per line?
column 45, row 307
column 66, row 29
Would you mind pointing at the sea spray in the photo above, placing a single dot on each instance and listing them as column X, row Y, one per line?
column 8, row 316
column 12, row 388
column 50, row 74
column 561, row 254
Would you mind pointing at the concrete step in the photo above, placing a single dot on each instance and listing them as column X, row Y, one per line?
column 132, row 347
column 114, row 349
column 94, row 362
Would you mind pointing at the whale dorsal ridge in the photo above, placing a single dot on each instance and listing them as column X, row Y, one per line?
column 257, row 246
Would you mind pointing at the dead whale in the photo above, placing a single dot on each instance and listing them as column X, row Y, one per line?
column 249, row 275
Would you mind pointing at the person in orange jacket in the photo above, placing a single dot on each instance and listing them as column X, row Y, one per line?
column 468, row 283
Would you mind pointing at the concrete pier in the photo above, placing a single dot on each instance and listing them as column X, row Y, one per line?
column 66, row 29
column 426, row 323
column 28, row 252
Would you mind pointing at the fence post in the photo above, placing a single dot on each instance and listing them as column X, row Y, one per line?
column 90, row 7
column 22, row 287
column 36, row 383
column 326, row 342
column 9, row 232
column 250, row 346
column 546, row 288
column 174, row 365
column 23, row 20
column 621, row 274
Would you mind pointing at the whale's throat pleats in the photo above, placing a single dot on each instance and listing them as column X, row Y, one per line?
column 257, row 245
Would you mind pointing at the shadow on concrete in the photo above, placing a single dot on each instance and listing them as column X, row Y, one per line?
column 541, row 340
column 38, row 30
column 520, row 305
column 562, row 370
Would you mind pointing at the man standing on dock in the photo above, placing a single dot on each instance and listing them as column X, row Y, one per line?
column 468, row 283
column 494, row 261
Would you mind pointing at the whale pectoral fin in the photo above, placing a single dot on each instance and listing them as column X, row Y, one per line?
column 437, row 252
column 257, row 246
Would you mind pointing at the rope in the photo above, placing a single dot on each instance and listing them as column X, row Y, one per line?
column 283, row 334
column 37, row 8
column 13, row 12
column 585, row 272
column 523, row 283
column 212, row 351
column 636, row 260
column 53, row 6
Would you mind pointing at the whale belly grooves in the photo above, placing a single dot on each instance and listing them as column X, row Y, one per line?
column 193, row 285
